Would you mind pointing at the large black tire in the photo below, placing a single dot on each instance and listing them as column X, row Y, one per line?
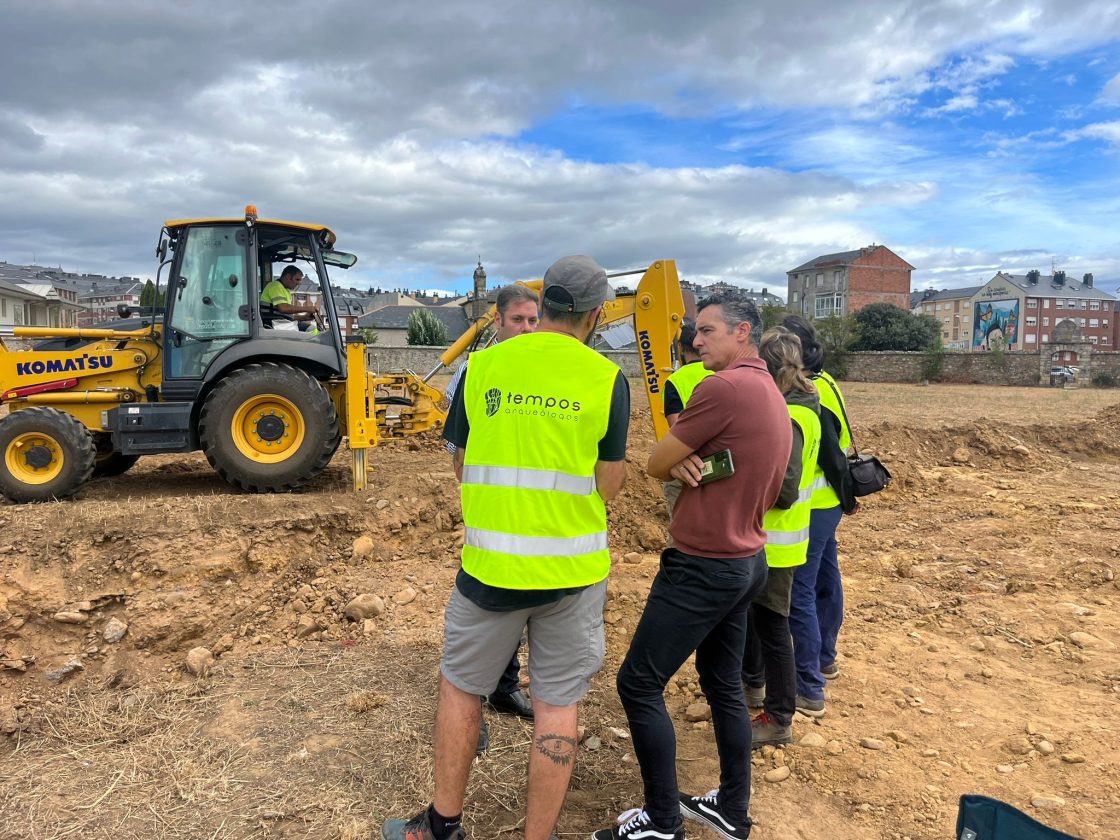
column 45, row 454
column 268, row 428
column 110, row 464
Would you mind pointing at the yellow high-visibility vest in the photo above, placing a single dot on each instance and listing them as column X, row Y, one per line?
column 787, row 531
column 276, row 292
column 537, row 406
column 831, row 400
column 687, row 377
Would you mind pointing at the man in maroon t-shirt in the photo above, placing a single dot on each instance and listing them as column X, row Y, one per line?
column 699, row 599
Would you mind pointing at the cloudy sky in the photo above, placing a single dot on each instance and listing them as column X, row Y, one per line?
column 739, row 138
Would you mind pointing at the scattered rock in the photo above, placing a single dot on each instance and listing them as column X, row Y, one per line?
column 619, row 733
column 1018, row 746
column 362, row 547
column 1043, row 800
column 930, row 753
column 1004, row 768
column 811, row 739
column 961, row 455
column 978, row 645
column 366, row 605
column 698, row 711
column 1082, row 640
column 778, row 774
column 651, row 537
column 834, row 748
column 1073, row 758
column 70, row 617
column 382, row 504
column 57, row 673
column 306, row 626
column 114, row 630
column 405, row 596
column 1020, row 449
column 1045, row 747
column 593, row 743
column 871, row 744
column 898, row 736
column 632, row 557
column 199, row 661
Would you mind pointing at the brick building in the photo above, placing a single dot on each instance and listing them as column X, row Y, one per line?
column 1023, row 310
column 953, row 310
column 844, row 283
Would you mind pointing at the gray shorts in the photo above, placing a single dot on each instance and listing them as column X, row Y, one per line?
column 566, row 644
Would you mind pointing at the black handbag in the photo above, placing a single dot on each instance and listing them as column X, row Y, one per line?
column 867, row 472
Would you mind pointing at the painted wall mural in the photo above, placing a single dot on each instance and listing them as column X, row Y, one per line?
column 996, row 321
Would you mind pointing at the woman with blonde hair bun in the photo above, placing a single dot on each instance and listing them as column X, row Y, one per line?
column 769, row 671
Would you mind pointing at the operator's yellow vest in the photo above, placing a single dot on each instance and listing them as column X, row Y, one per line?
column 276, row 292
column 687, row 377
column 537, row 406
column 787, row 531
column 823, row 494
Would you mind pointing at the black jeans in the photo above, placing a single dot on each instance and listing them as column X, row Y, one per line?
column 769, row 660
column 695, row 604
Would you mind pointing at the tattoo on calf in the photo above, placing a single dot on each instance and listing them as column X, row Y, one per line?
column 559, row 749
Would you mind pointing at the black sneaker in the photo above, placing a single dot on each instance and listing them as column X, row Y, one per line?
column 514, row 703
column 417, row 828
column 830, row 672
column 705, row 809
column 635, row 824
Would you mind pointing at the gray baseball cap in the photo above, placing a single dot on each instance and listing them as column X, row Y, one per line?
column 575, row 284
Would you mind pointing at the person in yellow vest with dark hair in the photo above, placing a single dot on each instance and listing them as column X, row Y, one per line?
column 769, row 656
column 678, row 388
column 817, row 600
column 539, row 423
column 277, row 293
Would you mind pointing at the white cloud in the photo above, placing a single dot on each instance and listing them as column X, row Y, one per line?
column 1111, row 92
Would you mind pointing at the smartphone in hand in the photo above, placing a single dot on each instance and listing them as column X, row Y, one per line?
column 716, row 466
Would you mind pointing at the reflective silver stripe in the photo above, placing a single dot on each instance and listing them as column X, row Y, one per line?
column 526, row 479
column 805, row 494
column 535, row 546
column 787, row 537
column 819, row 484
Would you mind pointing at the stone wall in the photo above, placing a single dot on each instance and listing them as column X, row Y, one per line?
column 423, row 359
column 976, row 368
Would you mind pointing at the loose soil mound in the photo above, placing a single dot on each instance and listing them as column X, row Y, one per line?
column 979, row 645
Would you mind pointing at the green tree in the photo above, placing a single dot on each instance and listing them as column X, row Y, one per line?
column 425, row 329
column 368, row 334
column 836, row 334
column 884, row 326
column 772, row 315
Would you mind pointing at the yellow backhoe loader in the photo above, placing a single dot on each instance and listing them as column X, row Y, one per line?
column 217, row 370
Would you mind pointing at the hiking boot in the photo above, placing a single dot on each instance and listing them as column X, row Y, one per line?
column 417, row 828
column 755, row 695
column 830, row 672
column 513, row 703
column 765, row 730
column 635, row 824
column 705, row 809
column 810, row 707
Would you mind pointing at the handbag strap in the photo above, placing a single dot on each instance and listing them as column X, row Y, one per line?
column 840, row 401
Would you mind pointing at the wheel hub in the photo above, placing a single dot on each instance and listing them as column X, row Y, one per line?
column 270, row 428
column 38, row 457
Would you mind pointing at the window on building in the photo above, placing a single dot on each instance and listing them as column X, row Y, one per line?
column 1030, row 338
column 1080, row 322
column 837, row 277
column 1032, row 321
column 820, row 280
column 1092, row 339
column 1032, row 303
column 1093, row 322
column 1046, row 304
column 1059, row 304
column 1094, row 305
column 829, row 305
column 795, row 297
column 1104, row 322
column 4, row 307
column 944, row 333
column 1071, row 303
column 1104, row 339
column 1045, row 322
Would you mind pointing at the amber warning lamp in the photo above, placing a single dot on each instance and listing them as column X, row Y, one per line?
column 250, row 214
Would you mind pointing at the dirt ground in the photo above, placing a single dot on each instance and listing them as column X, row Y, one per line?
column 979, row 650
